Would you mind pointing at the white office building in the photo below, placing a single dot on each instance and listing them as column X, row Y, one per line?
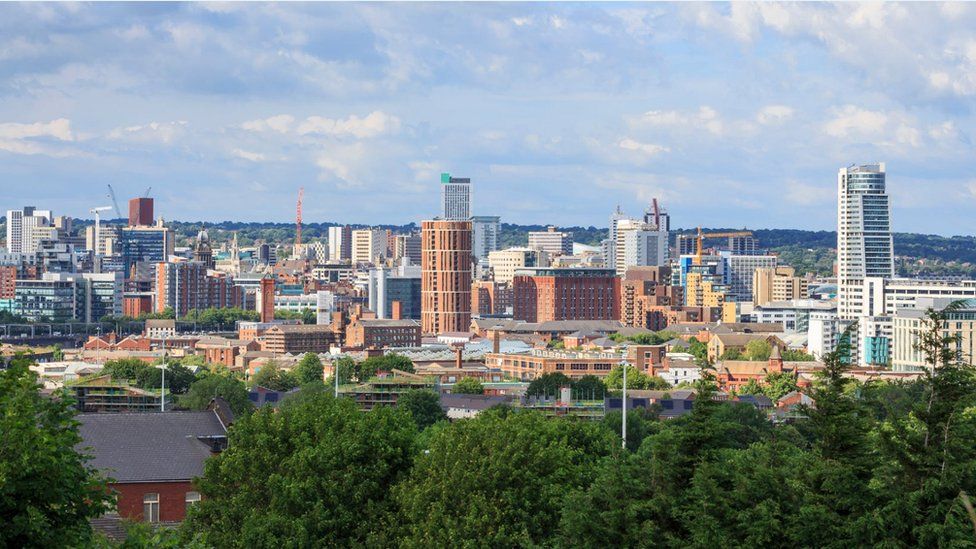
column 455, row 198
column 640, row 245
column 368, row 245
column 551, row 241
column 22, row 236
column 740, row 271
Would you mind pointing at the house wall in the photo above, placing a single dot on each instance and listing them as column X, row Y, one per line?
column 172, row 499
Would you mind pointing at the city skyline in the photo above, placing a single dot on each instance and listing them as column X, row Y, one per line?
column 732, row 115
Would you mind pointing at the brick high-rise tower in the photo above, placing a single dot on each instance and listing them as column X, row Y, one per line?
column 445, row 276
column 266, row 299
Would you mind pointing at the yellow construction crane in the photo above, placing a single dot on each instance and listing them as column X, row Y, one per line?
column 701, row 236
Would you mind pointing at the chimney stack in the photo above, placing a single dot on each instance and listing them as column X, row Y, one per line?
column 459, row 350
column 396, row 312
column 495, row 342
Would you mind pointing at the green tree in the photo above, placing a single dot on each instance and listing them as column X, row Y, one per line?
column 48, row 491
column 468, row 386
column 223, row 385
column 346, row 367
column 423, row 405
column 589, row 388
column 778, row 384
column 635, row 380
column 796, row 355
column 308, row 316
column 732, row 354
column 124, row 369
column 548, row 385
column 758, row 349
column 463, row 493
column 271, row 376
column 698, row 350
column 178, row 378
column 314, row 473
column 309, row 369
column 57, row 353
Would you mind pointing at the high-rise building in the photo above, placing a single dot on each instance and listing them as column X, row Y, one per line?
column 545, row 294
column 777, row 284
column 146, row 244
column 485, row 229
column 743, row 245
column 407, row 246
column 368, row 245
column 21, row 225
column 551, row 241
column 504, row 263
column 864, row 241
column 740, row 271
column 640, row 245
column 265, row 299
column 609, row 246
column 340, row 243
column 455, row 198
column 446, row 276
column 140, row 212
column 389, row 286
column 186, row 285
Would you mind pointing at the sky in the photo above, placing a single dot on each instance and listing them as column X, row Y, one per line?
column 732, row 115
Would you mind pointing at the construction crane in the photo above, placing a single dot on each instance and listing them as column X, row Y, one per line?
column 657, row 214
column 115, row 203
column 701, row 236
column 146, row 194
column 123, row 238
column 298, row 220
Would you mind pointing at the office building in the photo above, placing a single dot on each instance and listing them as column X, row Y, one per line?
column 910, row 323
column 743, row 245
column 340, row 243
column 864, row 241
column 186, row 285
column 297, row 339
column 141, row 212
column 551, row 241
column 504, row 263
column 490, row 298
column 51, row 299
column 609, row 246
column 368, row 246
column 794, row 314
column 740, row 272
column 446, row 276
column 20, row 228
column 146, row 244
column 8, row 281
column 389, row 286
column 455, row 198
column 778, row 283
column 543, row 294
column 485, row 229
column 407, row 246
column 686, row 244
column 640, row 245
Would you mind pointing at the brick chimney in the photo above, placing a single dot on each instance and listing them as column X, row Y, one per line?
column 338, row 322
column 459, row 356
column 396, row 312
column 496, row 341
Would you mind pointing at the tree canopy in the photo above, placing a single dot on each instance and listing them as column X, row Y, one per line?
column 635, row 379
column 468, row 386
column 48, row 490
column 271, row 376
column 223, row 385
column 423, row 405
column 309, row 369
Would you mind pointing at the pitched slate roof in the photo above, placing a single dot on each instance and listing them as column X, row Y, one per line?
column 149, row 446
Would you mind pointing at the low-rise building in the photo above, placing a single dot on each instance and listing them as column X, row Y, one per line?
column 536, row 362
column 381, row 333
column 300, row 338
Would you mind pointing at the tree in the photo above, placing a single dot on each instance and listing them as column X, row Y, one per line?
column 588, row 388
column 309, row 369
column 308, row 316
column 697, row 349
column 778, row 384
column 758, row 349
column 271, row 376
column 731, row 354
column 315, row 472
column 462, row 492
column 178, row 378
column 57, row 353
column 48, row 490
column 212, row 385
column 548, row 385
column 635, row 380
column 346, row 368
column 796, row 355
column 468, row 386
column 124, row 369
column 423, row 405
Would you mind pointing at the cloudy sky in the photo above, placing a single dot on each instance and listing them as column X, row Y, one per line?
column 733, row 115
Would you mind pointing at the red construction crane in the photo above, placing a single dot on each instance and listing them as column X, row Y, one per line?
column 657, row 215
column 298, row 219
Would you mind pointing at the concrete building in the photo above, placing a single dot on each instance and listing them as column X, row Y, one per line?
column 340, row 243
column 909, row 323
column 486, row 229
column 446, row 276
column 640, row 245
column 543, row 294
column 407, row 246
column 794, row 314
column 778, row 283
column 740, row 273
column 388, row 286
column 455, row 198
column 368, row 245
column 21, row 225
column 822, row 333
column 146, row 244
column 504, row 263
column 551, row 241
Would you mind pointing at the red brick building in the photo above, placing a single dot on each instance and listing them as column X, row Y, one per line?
column 381, row 333
column 8, row 282
column 490, row 298
column 153, row 457
column 140, row 212
column 445, row 273
column 542, row 295
column 187, row 285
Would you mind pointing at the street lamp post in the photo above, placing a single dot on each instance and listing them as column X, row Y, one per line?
column 623, row 422
column 162, row 393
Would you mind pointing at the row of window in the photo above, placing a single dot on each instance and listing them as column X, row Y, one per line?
column 150, row 504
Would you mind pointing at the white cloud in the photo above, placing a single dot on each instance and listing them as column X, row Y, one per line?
column 374, row 124
column 22, row 138
column 908, row 135
column 645, row 148
column 855, row 120
column 774, row 114
column 344, row 164
column 521, row 21
column 247, row 155
column 280, row 123
column 153, row 132
column 706, row 118
column 803, row 194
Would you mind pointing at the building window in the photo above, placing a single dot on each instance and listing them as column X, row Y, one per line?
column 150, row 507
column 191, row 499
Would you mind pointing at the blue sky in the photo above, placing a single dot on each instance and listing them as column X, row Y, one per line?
column 733, row 115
